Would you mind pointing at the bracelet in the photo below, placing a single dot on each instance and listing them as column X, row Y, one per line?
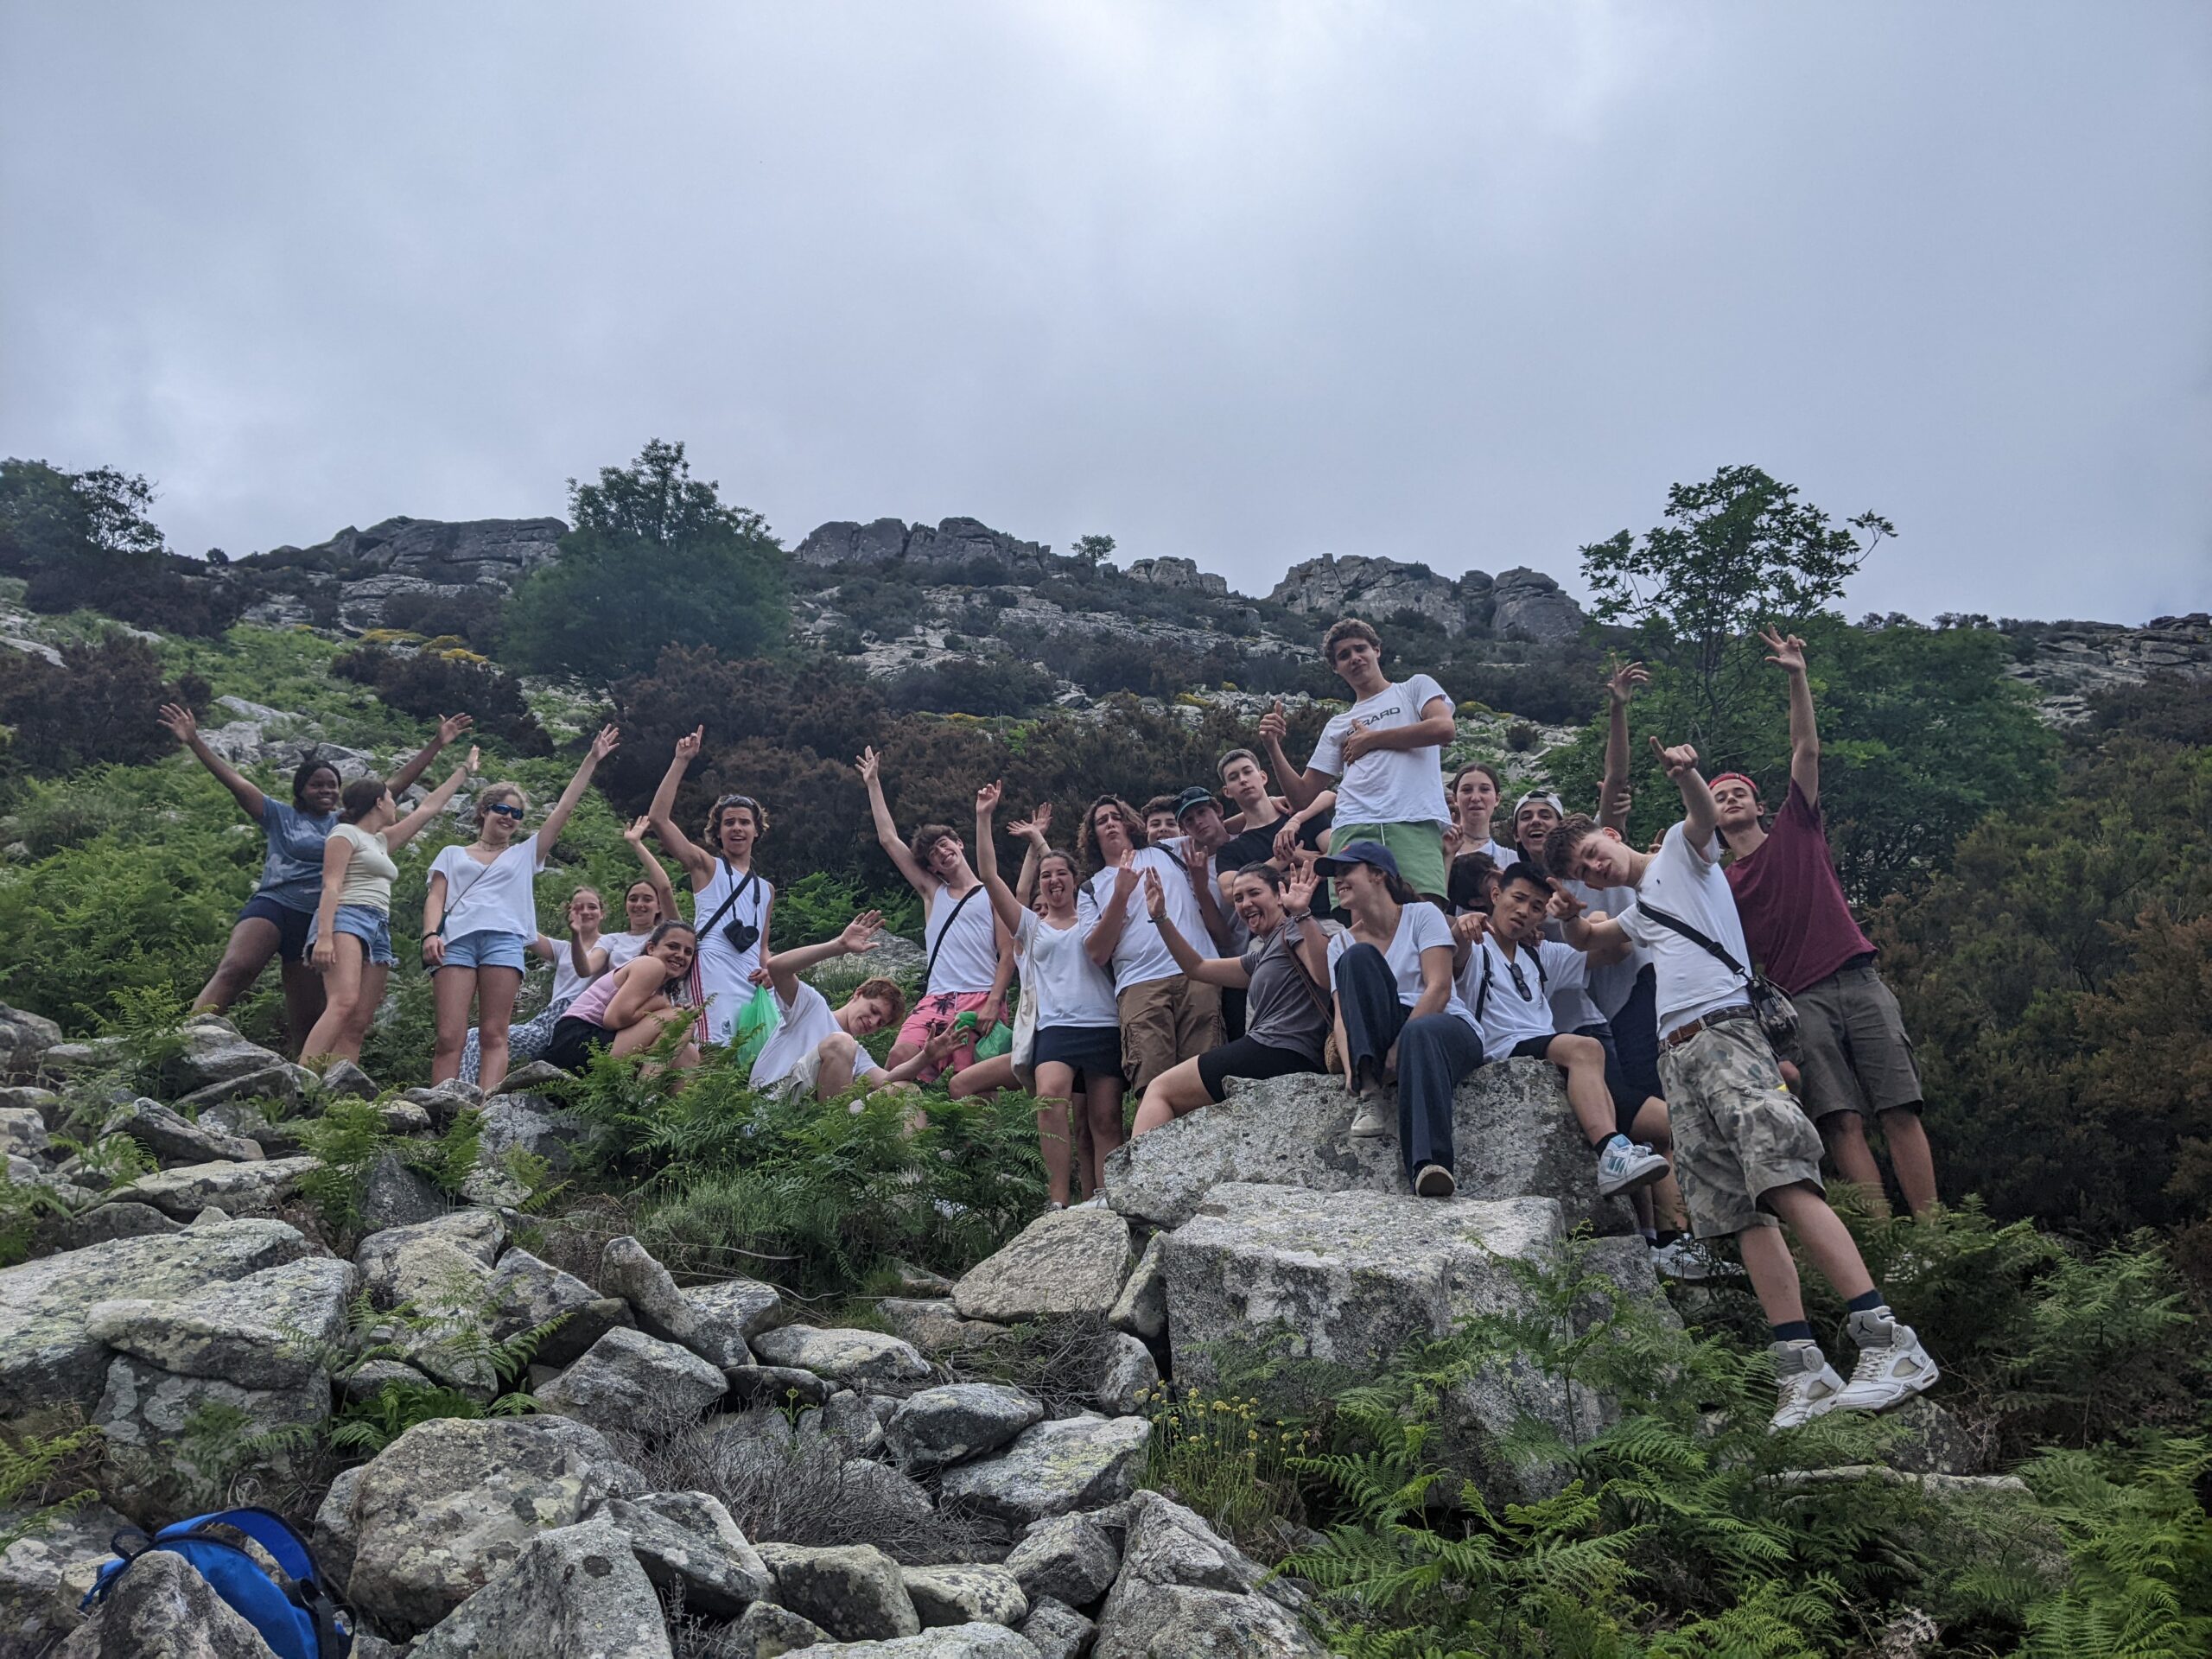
column 1298, row 915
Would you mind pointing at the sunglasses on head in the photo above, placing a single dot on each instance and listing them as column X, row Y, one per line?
column 737, row 800
column 505, row 809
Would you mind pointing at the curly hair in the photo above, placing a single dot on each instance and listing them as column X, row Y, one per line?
column 1086, row 839
column 712, row 834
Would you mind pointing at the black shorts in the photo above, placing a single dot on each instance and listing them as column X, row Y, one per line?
column 1533, row 1048
column 1246, row 1059
column 1636, row 1037
column 573, row 1043
column 1090, row 1050
column 1628, row 1100
column 292, row 925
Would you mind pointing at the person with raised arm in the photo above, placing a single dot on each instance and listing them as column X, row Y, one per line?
column 1165, row 1018
column 481, row 913
column 964, row 973
column 1384, row 756
column 1077, row 1041
column 815, row 1050
column 349, row 942
column 1858, row 1063
column 276, row 919
column 1399, row 1015
column 1748, row 1158
column 1285, row 968
column 628, row 1010
column 732, row 903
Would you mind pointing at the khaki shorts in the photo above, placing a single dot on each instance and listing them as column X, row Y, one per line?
column 1857, row 1056
column 1164, row 1022
column 1738, row 1135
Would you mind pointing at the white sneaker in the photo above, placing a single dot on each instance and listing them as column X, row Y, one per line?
column 1809, row 1385
column 1892, row 1366
column 1626, row 1165
column 1434, row 1181
column 1688, row 1259
column 1375, row 1119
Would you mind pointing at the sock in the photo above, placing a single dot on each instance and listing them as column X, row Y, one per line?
column 1599, row 1145
column 1668, row 1235
column 1865, row 1304
column 1793, row 1330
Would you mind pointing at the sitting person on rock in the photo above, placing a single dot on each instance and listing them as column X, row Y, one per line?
column 1508, row 978
column 628, row 1011
column 1284, row 967
column 1749, row 1158
column 815, row 1050
column 1398, row 1013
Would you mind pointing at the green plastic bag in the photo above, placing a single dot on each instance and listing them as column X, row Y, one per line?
column 1000, row 1041
column 756, row 1023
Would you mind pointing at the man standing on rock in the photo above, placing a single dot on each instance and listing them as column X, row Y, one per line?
column 1385, row 757
column 1857, row 1061
column 1748, row 1160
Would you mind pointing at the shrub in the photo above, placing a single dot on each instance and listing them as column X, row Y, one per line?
column 474, row 614
column 429, row 683
column 96, row 705
column 996, row 685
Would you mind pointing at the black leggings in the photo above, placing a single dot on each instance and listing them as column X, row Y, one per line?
column 1434, row 1051
column 1245, row 1058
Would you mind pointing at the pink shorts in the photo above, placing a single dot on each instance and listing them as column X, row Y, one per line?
column 931, row 1015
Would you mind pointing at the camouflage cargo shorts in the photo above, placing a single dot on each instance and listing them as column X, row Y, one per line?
column 1739, row 1132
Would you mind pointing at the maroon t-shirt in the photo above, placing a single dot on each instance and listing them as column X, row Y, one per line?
column 1795, row 918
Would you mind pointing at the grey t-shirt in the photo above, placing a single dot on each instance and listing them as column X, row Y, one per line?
column 1282, row 1010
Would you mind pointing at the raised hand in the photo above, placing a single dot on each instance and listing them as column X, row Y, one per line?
column 635, row 835
column 470, row 766
column 689, row 745
column 1125, row 875
column 867, row 766
column 1300, row 885
column 1785, row 652
column 859, row 934
column 1675, row 762
column 1625, row 680
column 1155, row 896
column 609, row 740
column 452, row 725
column 181, row 723
column 1564, row 906
column 986, row 798
column 1622, row 797
column 1454, row 838
column 1034, row 826
column 1469, row 928
column 1197, row 860
column 1275, row 726
column 944, row 1043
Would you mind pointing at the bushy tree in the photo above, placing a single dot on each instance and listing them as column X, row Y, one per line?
column 95, row 704
column 654, row 559
column 433, row 682
column 83, row 541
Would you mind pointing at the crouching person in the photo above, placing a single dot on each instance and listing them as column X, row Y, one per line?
column 1284, row 970
column 628, row 1011
column 1399, row 1015
column 816, row 1049
column 1750, row 1162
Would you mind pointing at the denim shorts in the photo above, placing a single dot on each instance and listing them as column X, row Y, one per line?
column 486, row 948
column 372, row 927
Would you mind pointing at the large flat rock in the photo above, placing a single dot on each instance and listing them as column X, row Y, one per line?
column 1066, row 1261
column 240, row 1189
column 1074, row 1463
column 269, row 1330
column 47, row 1353
column 1513, row 1134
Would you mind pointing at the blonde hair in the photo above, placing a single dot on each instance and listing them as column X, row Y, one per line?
column 498, row 791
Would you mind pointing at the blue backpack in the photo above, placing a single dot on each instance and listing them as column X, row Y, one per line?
column 302, row 1623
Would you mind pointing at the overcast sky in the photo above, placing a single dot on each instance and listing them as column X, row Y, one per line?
column 1465, row 283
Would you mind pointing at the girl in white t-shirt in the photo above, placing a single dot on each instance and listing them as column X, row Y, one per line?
column 1079, row 1031
column 481, row 915
column 350, row 940
column 731, row 902
column 1398, row 1010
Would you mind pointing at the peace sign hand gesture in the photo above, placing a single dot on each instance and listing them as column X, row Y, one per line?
column 1785, row 652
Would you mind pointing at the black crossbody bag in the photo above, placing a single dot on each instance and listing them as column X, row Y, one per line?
column 1770, row 1005
column 740, row 935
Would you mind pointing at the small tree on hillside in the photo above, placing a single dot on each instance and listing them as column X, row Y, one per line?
column 1093, row 549
column 655, row 559
column 1736, row 551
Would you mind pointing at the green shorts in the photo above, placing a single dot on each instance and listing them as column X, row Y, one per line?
column 1419, row 849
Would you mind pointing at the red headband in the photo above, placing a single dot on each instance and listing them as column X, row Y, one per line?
column 1746, row 782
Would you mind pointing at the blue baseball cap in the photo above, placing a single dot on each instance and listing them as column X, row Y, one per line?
column 1372, row 853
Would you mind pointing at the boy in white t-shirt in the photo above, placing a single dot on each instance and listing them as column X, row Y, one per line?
column 1384, row 756
column 1507, row 976
column 1749, row 1160
column 816, row 1049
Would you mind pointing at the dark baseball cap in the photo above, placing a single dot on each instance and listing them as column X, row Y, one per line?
column 1192, row 798
column 1372, row 853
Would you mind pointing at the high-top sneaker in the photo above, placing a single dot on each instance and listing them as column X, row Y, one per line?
column 1892, row 1366
column 1625, row 1166
column 1377, row 1117
column 1809, row 1385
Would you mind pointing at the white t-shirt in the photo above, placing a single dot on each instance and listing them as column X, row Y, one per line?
column 1069, row 988
column 1140, row 956
column 568, row 984
column 1507, row 1017
column 498, row 897
column 968, row 960
column 1610, row 983
column 621, row 948
column 1420, row 927
column 1386, row 785
column 1690, row 886
column 808, row 1019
